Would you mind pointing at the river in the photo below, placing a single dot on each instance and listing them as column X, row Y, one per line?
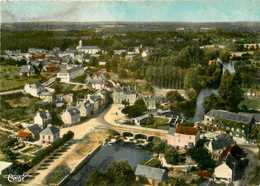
column 199, row 113
column 106, row 156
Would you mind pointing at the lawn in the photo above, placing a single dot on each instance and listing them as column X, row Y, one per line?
column 70, row 87
column 10, row 78
column 28, row 149
column 251, row 103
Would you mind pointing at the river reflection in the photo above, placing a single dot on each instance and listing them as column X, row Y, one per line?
column 106, row 156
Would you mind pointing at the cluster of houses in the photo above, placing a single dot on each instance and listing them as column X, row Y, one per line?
column 60, row 61
column 229, row 157
column 85, row 107
column 38, row 90
column 41, row 130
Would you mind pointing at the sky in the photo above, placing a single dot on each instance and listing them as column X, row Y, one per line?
column 143, row 11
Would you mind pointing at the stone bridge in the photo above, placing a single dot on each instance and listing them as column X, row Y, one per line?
column 141, row 132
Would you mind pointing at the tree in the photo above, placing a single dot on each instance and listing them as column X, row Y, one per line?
column 173, row 96
column 230, row 92
column 119, row 173
column 171, row 155
column 122, row 74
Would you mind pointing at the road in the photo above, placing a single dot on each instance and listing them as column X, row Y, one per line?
column 252, row 151
column 11, row 92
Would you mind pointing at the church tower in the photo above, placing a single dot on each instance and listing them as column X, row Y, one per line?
column 80, row 43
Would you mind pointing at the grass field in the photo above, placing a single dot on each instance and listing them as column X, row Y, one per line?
column 10, row 78
column 251, row 103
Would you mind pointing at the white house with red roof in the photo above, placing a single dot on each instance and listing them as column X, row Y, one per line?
column 183, row 136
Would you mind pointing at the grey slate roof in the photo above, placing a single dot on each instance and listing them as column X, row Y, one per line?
column 73, row 110
column 151, row 172
column 35, row 85
column 35, row 129
column 44, row 115
column 126, row 90
column 230, row 161
column 238, row 117
column 50, row 131
column 91, row 47
column 255, row 115
column 222, row 141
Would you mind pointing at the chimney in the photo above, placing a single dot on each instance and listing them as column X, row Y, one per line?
column 49, row 125
column 228, row 133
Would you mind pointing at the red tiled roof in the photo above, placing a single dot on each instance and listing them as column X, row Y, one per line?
column 186, row 130
column 205, row 174
column 23, row 134
column 38, row 57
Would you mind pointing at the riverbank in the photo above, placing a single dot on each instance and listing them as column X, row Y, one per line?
column 82, row 146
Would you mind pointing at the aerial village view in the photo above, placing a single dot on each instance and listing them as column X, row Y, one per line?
column 130, row 93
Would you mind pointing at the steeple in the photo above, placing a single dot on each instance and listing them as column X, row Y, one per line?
column 80, row 43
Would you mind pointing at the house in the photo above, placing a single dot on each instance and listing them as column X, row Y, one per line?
column 225, row 168
column 46, row 96
column 102, row 63
column 42, row 118
column 68, row 75
column 34, row 130
column 154, row 175
column 24, row 136
column 96, row 83
column 127, row 94
column 85, row 108
column 5, row 166
column 239, row 124
column 183, row 136
column 79, row 58
column 49, row 135
column 150, row 103
column 95, row 100
column 142, row 119
column 52, row 68
column 220, row 143
column 100, row 76
column 68, row 99
column 35, row 50
column 27, row 70
column 34, row 89
column 71, row 116
column 30, row 133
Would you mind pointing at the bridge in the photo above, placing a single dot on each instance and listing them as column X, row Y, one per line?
column 140, row 132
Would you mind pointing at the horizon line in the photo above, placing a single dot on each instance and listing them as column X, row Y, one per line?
column 129, row 22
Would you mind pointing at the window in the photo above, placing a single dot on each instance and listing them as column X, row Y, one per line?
column 43, row 137
column 179, row 140
column 179, row 136
column 189, row 137
column 49, row 137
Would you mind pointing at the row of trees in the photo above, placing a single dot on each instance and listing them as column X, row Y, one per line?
column 40, row 155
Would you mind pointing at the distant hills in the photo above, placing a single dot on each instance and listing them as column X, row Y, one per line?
column 253, row 27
